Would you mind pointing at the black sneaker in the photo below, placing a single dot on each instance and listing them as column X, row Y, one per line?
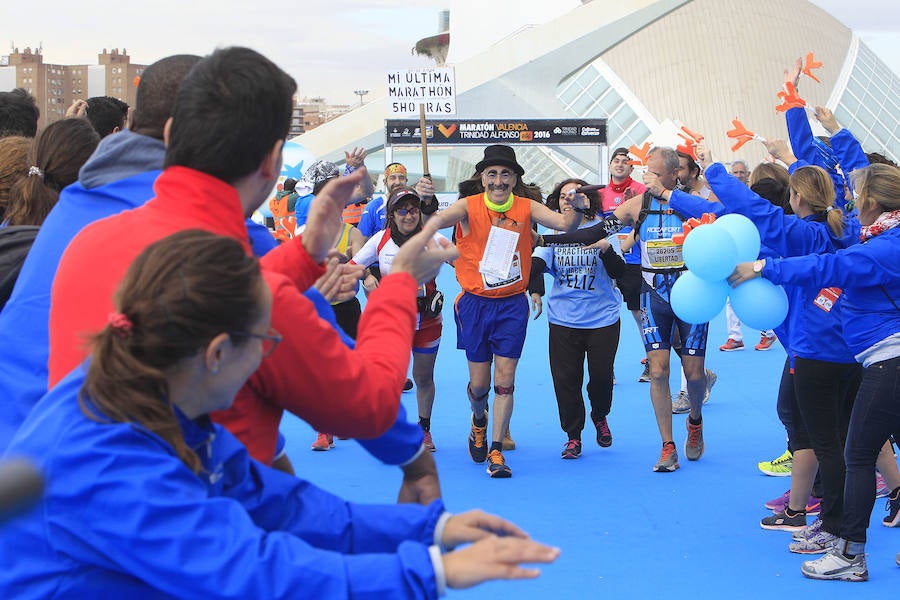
column 781, row 521
column 572, row 449
column 892, row 506
column 604, row 435
column 497, row 467
column 478, row 447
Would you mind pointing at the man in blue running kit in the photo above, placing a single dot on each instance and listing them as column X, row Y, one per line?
column 662, row 264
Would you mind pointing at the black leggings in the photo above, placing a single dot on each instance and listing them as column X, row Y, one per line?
column 568, row 348
column 347, row 315
column 823, row 394
column 786, row 404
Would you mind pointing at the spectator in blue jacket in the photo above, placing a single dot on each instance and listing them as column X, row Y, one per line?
column 869, row 275
column 821, row 376
column 147, row 498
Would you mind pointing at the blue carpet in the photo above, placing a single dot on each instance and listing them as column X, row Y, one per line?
column 624, row 531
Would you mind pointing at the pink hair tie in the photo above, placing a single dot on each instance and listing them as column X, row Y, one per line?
column 120, row 323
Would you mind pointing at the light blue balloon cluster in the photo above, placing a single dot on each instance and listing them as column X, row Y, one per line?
column 711, row 252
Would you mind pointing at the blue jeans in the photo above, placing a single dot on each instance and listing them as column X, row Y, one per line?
column 875, row 416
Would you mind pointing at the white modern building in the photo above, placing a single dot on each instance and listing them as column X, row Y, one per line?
column 643, row 65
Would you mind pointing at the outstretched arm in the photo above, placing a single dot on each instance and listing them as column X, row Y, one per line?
column 623, row 216
column 451, row 215
column 567, row 220
column 785, row 235
column 845, row 146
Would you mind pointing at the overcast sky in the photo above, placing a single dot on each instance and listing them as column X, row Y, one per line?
column 331, row 47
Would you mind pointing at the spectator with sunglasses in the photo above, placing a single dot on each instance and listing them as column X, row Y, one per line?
column 404, row 219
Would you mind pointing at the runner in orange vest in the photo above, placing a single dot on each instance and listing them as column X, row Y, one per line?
column 493, row 235
column 282, row 207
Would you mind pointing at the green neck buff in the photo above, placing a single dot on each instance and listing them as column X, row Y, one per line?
column 500, row 208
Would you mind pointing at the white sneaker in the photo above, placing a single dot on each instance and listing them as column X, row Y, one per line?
column 834, row 565
column 811, row 530
column 681, row 404
column 817, row 543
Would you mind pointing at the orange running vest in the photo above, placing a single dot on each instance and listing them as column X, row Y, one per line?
column 471, row 248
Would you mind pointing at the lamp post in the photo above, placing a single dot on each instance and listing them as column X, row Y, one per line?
column 361, row 93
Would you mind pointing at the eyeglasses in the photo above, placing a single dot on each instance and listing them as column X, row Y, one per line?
column 407, row 211
column 270, row 339
column 503, row 175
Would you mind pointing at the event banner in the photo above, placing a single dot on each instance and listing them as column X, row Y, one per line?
column 497, row 131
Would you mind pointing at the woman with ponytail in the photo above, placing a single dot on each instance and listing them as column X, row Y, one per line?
column 147, row 498
column 14, row 242
column 14, row 151
column 53, row 163
column 59, row 152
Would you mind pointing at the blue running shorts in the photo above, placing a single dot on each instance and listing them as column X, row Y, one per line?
column 658, row 323
column 490, row 326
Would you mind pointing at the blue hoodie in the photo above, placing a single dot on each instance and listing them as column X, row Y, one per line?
column 814, row 333
column 869, row 274
column 123, row 517
column 119, row 176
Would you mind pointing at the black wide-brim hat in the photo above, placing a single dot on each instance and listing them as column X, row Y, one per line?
column 500, row 155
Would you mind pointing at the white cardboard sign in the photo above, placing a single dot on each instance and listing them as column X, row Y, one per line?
column 434, row 87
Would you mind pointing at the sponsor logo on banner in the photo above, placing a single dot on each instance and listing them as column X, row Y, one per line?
column 447, row 131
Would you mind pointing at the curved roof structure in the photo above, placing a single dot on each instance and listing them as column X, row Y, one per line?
column 643, row 64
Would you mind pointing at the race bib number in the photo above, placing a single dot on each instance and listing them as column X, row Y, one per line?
column 664, row 254
column 827, row 298
column 496, row 262
column 492, row 282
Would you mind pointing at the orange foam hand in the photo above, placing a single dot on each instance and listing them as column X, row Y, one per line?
column 640, row 154
column 811, row 63
column 691, row 224
column 740, row 133
column 739, row 130
column 789, row 98
column 738, row 144
column 694, row 136
column 689, row 147
column 691, row 140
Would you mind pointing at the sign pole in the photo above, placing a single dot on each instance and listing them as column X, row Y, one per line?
column 425, row 172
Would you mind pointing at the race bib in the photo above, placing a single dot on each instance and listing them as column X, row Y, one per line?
column 492, row 282
column 827, row 298
column 664, row 254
